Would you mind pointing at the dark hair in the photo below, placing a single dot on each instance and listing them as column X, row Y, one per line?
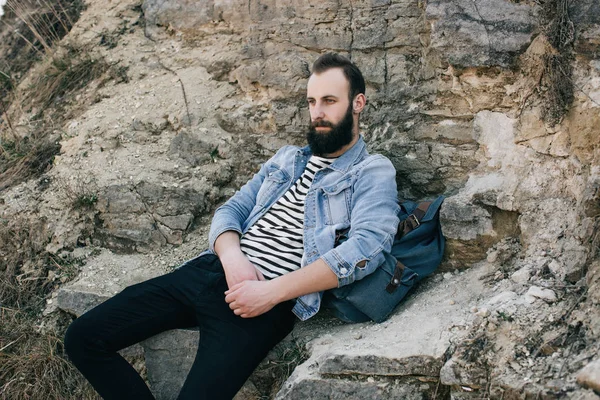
column 351, row 71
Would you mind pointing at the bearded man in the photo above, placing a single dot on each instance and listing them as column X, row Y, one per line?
column 273, row 252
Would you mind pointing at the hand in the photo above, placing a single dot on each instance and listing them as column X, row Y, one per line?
column 238, row 269
column 250, row 299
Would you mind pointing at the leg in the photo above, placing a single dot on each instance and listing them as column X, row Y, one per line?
column 230, row 347
column 138, row 312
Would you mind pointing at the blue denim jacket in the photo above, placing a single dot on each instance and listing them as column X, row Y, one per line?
column 356, row 191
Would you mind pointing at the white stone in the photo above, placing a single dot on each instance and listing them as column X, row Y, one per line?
column 483, row 312
column 495, row 132
column 541, row 293
column 589, row 376
column 502, row 297
column 556, row 268
column 522, row 275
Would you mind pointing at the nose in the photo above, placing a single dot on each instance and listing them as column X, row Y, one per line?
column 317, row 112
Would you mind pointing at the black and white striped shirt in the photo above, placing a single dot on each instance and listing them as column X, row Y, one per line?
column 274, row 244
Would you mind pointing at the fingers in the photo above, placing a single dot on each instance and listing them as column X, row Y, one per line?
column 229, row 297
column 239, row 312
column 259, row 275
column 233, row 288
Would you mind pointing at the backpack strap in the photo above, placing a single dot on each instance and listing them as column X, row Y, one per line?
column 413, row 220
column 396, row 279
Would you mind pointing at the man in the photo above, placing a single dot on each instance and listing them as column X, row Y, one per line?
column 272, row 254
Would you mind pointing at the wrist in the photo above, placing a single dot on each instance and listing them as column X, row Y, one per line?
column 278, row 290
column 231, row 255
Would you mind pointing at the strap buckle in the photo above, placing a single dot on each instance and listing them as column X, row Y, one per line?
column 414, row 220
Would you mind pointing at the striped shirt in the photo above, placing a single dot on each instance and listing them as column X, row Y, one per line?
column 274, row 244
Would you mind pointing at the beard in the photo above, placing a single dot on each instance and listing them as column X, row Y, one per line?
column 338, row 136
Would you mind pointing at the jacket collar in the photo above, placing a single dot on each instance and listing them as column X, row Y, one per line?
column 344, row 162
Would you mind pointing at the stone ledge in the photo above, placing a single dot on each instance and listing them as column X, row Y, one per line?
column 399, row 358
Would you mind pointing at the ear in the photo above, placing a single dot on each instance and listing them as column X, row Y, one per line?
column 359, row 102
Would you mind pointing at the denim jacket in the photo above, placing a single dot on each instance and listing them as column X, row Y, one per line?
column 356, row 192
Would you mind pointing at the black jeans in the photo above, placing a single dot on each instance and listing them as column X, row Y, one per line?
column 229, row 349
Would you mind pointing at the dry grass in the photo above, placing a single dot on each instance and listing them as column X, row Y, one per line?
column 557, row 79
column 69, row 70
column 66, row 73
column 81, row 192
column 47, row 21
column 29, row 30
column 271, row 374
column 27, row 271
column 35, row 28
column 23, row 269
column 24, row 158
column 32, row 360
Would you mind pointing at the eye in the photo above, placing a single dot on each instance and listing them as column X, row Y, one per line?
column 330, row 101
column 311, row 102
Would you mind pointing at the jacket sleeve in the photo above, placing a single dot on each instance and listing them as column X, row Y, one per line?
column 235, row 211
column 373, row 223
column 232, row 214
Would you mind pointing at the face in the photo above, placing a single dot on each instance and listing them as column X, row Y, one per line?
column 331, row 115
column 333, row 138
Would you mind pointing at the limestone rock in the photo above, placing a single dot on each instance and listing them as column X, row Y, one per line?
column 191, row 148
column 482, row 33
column 463, row 221
column 453, row 374
column 502, row 299
column 391, row 355
column 522, row 275
column 104, row 275
column 147, row 214
column 169, row 357
column 78, row 302
column 536, row 292
column 589, row 376
column 167, row 12
column 585, row 395
column 340, row 389
column 573, row 258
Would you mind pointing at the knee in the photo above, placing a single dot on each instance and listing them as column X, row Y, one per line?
column 78, row 339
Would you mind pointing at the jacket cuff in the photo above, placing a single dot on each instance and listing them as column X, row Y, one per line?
column 348, row 272
column 340, row 267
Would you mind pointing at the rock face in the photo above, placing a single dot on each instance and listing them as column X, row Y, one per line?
column 456, row 97
column 483, row 33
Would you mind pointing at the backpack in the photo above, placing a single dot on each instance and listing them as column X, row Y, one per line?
column 417, row 251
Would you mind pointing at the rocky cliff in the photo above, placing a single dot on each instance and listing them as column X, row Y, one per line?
column 493, row 103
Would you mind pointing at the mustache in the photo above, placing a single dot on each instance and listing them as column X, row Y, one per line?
column 321, row 123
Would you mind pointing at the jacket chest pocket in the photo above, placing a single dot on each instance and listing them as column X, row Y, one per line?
column 273, row 181
column 338, row 198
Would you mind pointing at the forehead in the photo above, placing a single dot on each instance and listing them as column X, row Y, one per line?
column 328, row 83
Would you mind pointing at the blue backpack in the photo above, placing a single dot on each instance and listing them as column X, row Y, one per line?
column 417, row 251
